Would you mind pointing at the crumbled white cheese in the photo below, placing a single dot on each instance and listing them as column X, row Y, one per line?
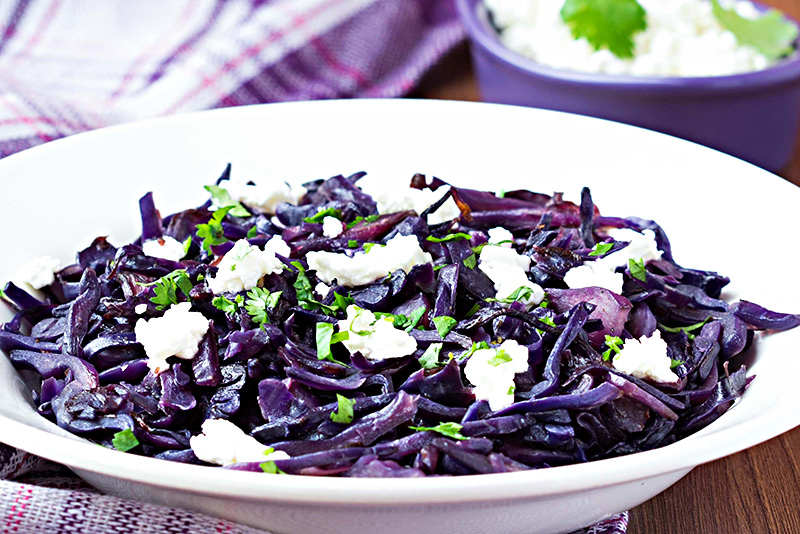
column 166, row 247
column 594, row 274
column 391, row 199
column 322, row 289
column 400, row 252
column 139, row 309
column 374, row 338
column 37, row 272
column 646, row 357
column 683, row 38
column 244, row 265
column 332, row 227
column 601, row 272
column 501, row 236
column 177, row 333
column 508, row 270
column 266, row 197
column 492, row 371
column 224, row 443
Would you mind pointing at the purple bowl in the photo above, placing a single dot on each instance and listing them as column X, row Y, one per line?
column 754, row 116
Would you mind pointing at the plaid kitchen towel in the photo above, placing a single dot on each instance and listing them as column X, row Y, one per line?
column 69, row 66
column 37, row 496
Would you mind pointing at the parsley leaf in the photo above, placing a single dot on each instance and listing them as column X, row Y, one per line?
column 481, row 345
column 511, row 390
column 637, row 269
column 211, row 232
column 187, row 244
column 324, row 333
column 341, row 301
column 606, row 23
column 473, row 310
column 547, row 320
column 305, row 294
column 166, row 288
column 521, row 293
column 344, row 413
column 259, row 301
column 166, row 294
column 124, row 440
column 430, row 358
column 687, row 329
column 601, row 248
column 500, row 357
column 368, row 219
column 225, row 305
column 368, row 246
column 252, row 232
column 771, row 34
column 269, row 466
column 450, row 237
column 223, row 199
column 352, row 243
column 328, row 212
column 414, row 318
column 444, row 324
column 471, row 261
column 614, row 344
column 675, row 363
column 451, row 430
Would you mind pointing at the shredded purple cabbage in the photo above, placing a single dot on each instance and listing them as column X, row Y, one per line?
column 416, row 415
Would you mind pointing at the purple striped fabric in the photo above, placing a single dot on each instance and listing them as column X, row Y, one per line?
column 67, row 67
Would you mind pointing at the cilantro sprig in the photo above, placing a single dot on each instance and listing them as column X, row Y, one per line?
column 771, row 33
column 305, row 294
column 609, row 24
column 226, row 305
column 451, row 430
column 522, row 293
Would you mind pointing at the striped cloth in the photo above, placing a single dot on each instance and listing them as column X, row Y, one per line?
column 69, row 66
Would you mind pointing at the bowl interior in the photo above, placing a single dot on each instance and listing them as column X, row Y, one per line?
column 720, row 213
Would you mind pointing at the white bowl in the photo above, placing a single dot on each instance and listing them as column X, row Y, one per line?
column 721, row 214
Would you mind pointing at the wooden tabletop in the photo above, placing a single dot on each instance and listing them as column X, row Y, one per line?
column 756, row 491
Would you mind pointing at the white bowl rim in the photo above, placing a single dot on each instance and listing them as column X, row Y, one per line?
column 85, row 456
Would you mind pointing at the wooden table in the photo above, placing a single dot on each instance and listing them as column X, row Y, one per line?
column 756, row 491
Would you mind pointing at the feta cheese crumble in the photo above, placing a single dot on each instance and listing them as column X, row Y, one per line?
column 38, row 272
column 646, row 357
column 223, row 443
column 508, row 270
column 140, row 309
column 500, row 236
column 322, row 289
column 177, row 333
column 166, row 247
column 245, row 264
column 602, row 272
column 375, row 338
column 683, row 38
column 492, row 371
column 264, row 198
column 391, row 199
column 332, row 227
column 401, row 252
